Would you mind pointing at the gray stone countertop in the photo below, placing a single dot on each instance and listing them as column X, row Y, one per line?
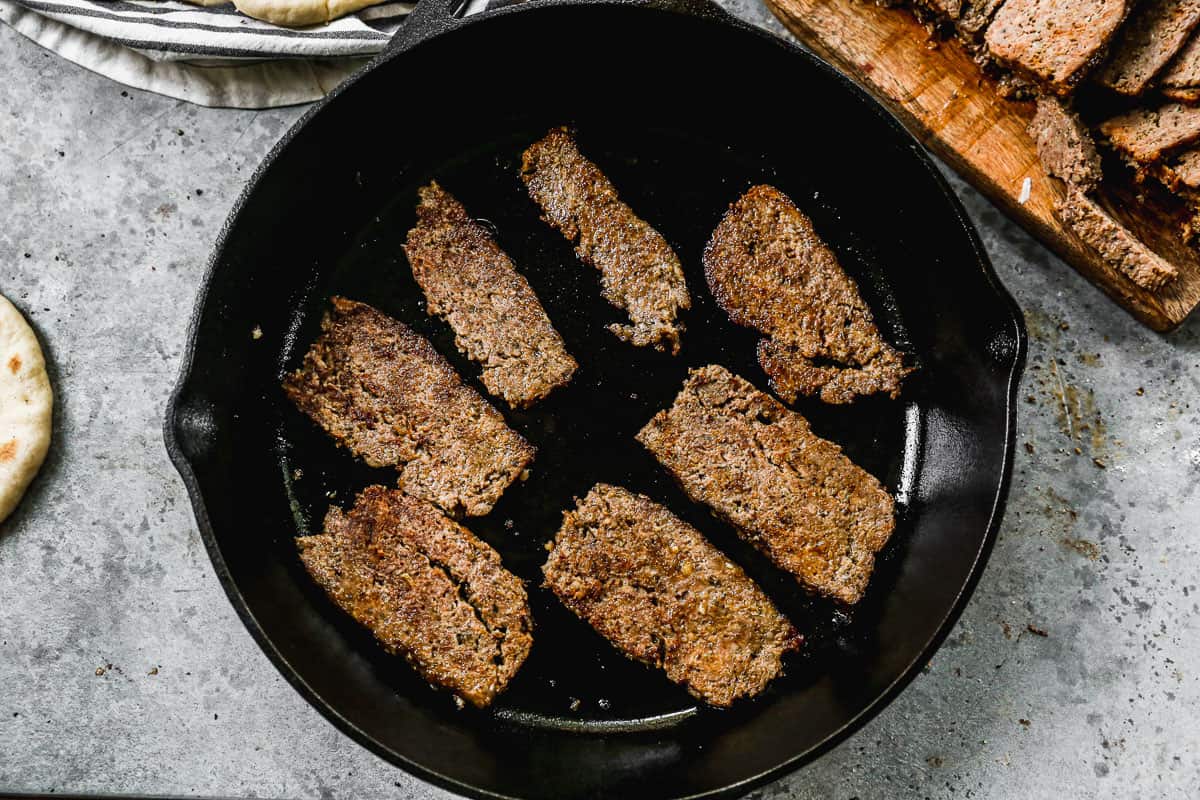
column 1074, row 672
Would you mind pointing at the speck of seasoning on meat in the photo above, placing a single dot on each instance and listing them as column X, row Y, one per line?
column 256, row 333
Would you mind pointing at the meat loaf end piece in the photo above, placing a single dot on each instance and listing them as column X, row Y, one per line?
column 654, row 587
column 1114, row 242
column 790, row 493
column 427, row 588
column 1157, row 31
column 1145, row 135
column 1053, row 41
column 639, row 272
column 384, row 393
column 769, row 270
column 497, row 319
column 1064, row 144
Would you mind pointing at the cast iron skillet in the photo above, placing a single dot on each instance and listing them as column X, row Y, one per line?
column 684, row 108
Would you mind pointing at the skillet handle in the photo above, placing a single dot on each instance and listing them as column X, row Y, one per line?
column 428, row 17
column 431, row 17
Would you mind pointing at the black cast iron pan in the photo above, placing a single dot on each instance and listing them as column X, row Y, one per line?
column 684, row 108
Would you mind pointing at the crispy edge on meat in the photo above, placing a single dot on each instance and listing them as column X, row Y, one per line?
column 473, row 285
column 427, row 588
column 639, row 272
column 662, row 595
column 769, row 270
column 758, row 466
column 384, row 393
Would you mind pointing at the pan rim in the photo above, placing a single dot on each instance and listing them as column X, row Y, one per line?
column 179, row 394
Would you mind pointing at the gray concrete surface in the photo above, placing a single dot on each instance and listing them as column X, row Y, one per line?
column 123, row 668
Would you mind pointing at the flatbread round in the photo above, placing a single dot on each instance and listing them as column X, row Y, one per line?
column 300, row 13
column 26, row 407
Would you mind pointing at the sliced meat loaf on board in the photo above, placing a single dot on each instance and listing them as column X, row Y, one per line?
column 662, row 595
column 1113, row 241
column 385, row 394
column 639, row 272
column 497, row 319
column 769, row 270
column 1144, row 136
column 427, row 588
column 1155, row 33
column 1181, row 79
column 1054, row 42
column 1064, row 144
column 758, row 466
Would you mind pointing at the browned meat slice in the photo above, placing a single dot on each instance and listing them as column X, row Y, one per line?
column 385, row 394
column 1064, row 144
column 650, row 584
column 497, row 319
column 1053, row 41
column 1184, row 72
column 427, row 588
column 1143, row 136
column 1116, row 244
column 770, row 271
column 1156, row 32
column 788, row 492
column 639, row 272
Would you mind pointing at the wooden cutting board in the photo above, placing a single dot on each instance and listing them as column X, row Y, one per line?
column 941, row 96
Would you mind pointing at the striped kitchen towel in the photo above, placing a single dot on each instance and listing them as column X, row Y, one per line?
column 213, row 56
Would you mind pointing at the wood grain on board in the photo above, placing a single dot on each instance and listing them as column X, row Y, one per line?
column 941, row 96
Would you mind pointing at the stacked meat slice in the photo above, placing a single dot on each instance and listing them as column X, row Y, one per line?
column 1126, row 72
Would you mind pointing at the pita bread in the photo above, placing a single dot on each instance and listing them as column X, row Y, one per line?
column 299, row 13
column 26, row 407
